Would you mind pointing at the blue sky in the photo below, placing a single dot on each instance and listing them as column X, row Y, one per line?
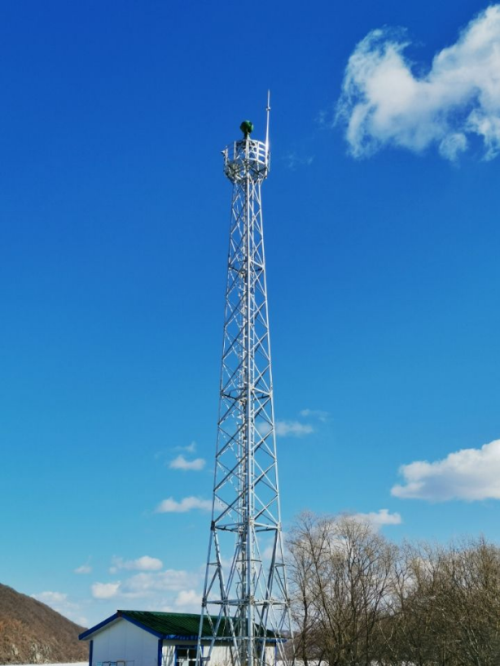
column 382, row 239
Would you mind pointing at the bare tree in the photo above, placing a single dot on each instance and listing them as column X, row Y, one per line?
column 468, row 601
column 341, row 574
column 413, row 628
column 358, row 600
column 446, row 606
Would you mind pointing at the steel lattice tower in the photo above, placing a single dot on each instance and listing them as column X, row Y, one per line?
column 245, row 594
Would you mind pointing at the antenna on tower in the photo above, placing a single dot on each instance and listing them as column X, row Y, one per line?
column 268, row 113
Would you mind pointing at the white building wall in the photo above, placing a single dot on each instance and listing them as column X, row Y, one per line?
column 125, row 642
column 221, row 655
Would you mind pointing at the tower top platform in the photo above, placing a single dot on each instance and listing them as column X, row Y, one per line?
column 246, row 158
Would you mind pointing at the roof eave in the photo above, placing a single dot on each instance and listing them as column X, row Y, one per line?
column 85, row 634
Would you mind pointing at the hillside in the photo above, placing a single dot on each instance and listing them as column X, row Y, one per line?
column 33, row 633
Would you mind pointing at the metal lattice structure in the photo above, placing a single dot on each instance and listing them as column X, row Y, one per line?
column 245, row 599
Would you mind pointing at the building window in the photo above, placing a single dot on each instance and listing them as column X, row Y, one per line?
column 185, row 656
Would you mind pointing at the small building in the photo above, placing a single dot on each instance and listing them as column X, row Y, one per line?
column 146, row 638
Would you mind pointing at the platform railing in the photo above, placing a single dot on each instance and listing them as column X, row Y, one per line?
column 246, row 157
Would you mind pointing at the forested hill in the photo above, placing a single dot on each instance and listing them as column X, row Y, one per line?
column 33, row 633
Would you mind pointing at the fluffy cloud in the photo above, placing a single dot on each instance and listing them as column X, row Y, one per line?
column 187, row 504
column 147, row 584
column 59, row 602
column 105, row 590
column 316, row 414
column 193, row 465
column 379, row 518
column 144, row 563
column 293, row 429
column 84, row 569
column 150, row 585
column 51, row 598
column 190, row 448
column 385, row 102
column 188, row 601
column 468, row 474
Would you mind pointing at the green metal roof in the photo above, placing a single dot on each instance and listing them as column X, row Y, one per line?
column 175, row 625
column 171, row 624
column 178, row 624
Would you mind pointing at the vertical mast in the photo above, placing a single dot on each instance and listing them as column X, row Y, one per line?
column 268, row 114
column 245, row 599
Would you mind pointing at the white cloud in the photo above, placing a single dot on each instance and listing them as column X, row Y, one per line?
column 186, row 504
column 153, row 586
column 316, row 414
column 379, row 518
column 51, row 598
column 144, row 563
column 181, row 463
column 293, row 161
column 59, row 602
column 385, row 102
column 188, row 601
column 105, row 590
column 84, row 569
column 146, row 584
column 293, row 429
column 163, row 454
column 468, row 474
column 190, row 448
